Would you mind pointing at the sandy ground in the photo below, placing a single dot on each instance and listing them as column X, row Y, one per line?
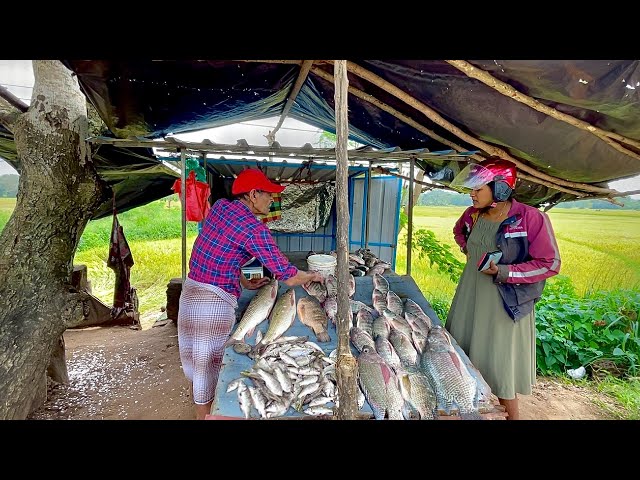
column 120, row 373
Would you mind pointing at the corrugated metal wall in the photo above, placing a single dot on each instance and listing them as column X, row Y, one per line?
column 383, row 209
column 383, row 221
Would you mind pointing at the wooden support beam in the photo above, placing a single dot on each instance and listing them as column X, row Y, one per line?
column 439, row 120
column 346, row 366
column 302, row 76
column 13, row 100
column 507, row 90
column 401, row 116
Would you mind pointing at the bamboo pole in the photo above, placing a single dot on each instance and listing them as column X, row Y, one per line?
column 410, row 215
column 346, row 366
column 302, row 76
column 183, row 203
column 507, row 90
column 439, row 120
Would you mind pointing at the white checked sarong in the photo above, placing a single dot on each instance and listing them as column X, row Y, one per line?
column 205, row 317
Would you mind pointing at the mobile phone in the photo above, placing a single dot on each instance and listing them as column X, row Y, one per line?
column 485, row 261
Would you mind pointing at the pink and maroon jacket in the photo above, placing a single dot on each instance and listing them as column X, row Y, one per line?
column 529, row 254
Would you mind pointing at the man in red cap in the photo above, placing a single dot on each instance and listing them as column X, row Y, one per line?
column 231, row 235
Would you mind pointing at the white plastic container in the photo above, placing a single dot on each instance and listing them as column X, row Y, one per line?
column 325, row 265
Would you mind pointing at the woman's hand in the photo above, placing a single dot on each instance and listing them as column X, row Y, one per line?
column 492, row 270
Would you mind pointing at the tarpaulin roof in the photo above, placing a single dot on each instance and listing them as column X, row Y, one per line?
column 152, row 99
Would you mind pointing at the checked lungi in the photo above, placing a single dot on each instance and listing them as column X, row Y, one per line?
column 205, row 318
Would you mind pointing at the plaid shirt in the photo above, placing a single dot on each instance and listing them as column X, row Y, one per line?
column 230, row 236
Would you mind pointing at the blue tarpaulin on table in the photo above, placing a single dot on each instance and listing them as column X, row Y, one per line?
column 226, row 404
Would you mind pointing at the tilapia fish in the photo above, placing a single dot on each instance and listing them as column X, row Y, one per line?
column 414, row 309
column 282, row 317
column 316, row 289
column 311, row 313
column 361, row 339
column 453, row 383
column 257, row 311
column 331, row 308
column 380, row 283
column 379, row 384
column 331, row 284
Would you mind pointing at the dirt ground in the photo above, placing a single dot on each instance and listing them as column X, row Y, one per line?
column 119, row 373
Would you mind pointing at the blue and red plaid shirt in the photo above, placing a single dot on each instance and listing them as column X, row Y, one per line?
column 230, row 237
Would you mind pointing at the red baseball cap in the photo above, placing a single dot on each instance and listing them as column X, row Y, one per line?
column 251, row 179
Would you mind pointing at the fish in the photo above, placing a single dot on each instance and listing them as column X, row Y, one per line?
column 451, row 380
column 388, row 353
column 380, row 283
column 403, row 345
column 258, row 310
column 331, row 308
column 244, row 400
column 364, row 321
column 331, row 284
column 413, row 308
column 379, row 300
column 311, row 314
column 416, row 389
column 379, row 385
column 316, row 289
column 282, row 316
column 352, row 286
column 361, row 339
column 394, row 303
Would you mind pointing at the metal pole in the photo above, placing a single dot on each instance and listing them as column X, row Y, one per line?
column 183, row 203
column 410, row 210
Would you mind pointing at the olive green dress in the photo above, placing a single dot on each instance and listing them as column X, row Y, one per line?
column 502, row 350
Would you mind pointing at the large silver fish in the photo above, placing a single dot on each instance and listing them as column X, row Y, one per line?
column 453, row 383
column 379, row 385
column 282, row 317
column 311, row 313
column 257, row 311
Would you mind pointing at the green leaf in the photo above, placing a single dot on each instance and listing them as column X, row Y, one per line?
column 618, row 352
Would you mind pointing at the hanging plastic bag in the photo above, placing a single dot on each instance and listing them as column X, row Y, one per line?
column 197, row 197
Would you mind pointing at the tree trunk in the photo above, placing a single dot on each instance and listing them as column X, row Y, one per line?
column 58, row 191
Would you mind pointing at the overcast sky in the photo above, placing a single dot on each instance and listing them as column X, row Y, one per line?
column 17, row 77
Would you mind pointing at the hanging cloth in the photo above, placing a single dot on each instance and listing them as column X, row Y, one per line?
column 120, row 261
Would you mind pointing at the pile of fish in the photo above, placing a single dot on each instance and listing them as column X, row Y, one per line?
column 408, row 368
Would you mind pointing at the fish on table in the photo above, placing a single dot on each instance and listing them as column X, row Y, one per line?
column 256, row 312
column 311, row 314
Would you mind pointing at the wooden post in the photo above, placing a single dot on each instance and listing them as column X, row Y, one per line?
column 183, row 203
column 410, row 215
column 346, row 367
column 366, row 224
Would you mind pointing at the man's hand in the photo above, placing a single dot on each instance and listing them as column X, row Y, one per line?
column 256, row 283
